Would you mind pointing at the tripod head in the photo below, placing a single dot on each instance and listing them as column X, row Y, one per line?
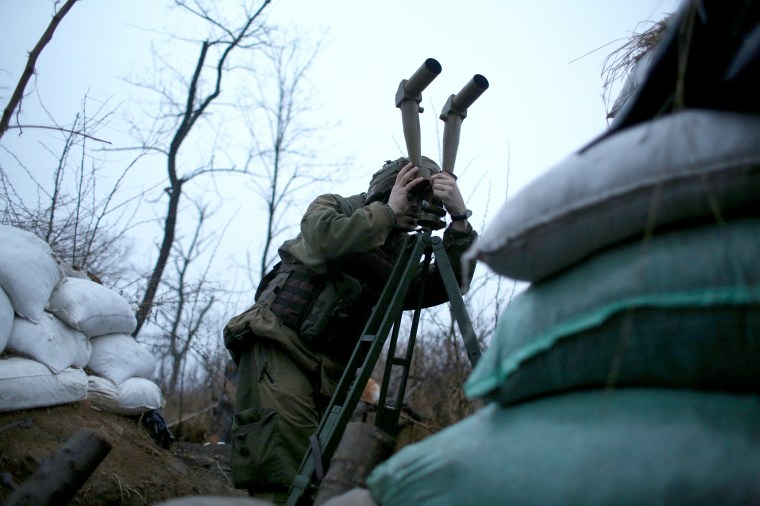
column 408, row 99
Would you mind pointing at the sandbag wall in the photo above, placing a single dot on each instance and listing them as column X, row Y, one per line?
column 64, row 338
column 628, row 371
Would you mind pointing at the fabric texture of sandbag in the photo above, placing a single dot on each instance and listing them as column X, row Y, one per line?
column 119, row 357
column 28, row 271
column 91, row 308
column 50, row 342
column 685, row 166
column 6, row 319
column 681, row 310
column 133, row 396
column 27, row 384
column 622, row 447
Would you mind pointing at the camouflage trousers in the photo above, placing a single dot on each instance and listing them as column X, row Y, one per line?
column 278, row 406
column 277, row 411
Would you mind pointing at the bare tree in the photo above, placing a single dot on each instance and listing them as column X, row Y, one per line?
column 85, row 228
column 187, row 302
column 283, row 154
column 186, row 114
column 191, row 362
column 14, row 104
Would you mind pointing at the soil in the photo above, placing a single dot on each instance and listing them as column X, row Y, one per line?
column 136, row 471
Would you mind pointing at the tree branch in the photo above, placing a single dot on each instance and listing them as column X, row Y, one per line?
column 26, row 75
column 190, row 115
column 60, row 129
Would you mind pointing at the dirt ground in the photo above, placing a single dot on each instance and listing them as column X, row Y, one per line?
column 136, row 471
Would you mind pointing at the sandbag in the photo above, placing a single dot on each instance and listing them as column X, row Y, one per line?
column 119, row 357
column 50, row 342
column 28, row 271
column 134, row 396
column 689, row 165
column 91, row 308
column 680, row 311
column 26, row 384
column 622, row 447
column 6, row 319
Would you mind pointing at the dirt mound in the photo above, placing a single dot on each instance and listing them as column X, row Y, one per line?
column 136, row 471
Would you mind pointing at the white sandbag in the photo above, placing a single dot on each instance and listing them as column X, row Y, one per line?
column 26, row 384
column 119, row 357
column 6, row 319
column 690, row 165
column 132, row 397
column 28, row 271
column 91, row 308
column 50, row 342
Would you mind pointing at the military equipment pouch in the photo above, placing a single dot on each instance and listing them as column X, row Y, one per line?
column 238, row 329
column 290, row 292
column 258, row 460
column 329, row 307
column 286, row 290
column 268, row 280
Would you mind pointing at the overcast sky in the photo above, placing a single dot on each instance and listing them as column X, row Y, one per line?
column 543, row 59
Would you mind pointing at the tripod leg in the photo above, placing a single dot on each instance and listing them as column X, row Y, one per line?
column 358, row 371
column 457, row 303
column 388, row 413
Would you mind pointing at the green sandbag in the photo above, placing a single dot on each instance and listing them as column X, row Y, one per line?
column 677, row 310
column 622, row 447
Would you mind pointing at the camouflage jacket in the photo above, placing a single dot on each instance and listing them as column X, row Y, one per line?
column 342, row 237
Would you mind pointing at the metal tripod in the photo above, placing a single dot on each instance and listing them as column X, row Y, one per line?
column 386, row 316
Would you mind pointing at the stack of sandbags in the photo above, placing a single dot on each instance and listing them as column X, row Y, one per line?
column 53, row 328
column 28, row 274
column 679, row 310
column 628, row 371
column 120, row 367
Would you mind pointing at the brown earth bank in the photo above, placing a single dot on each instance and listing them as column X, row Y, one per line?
column 136, row 471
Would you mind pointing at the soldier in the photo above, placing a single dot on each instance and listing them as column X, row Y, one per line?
column 291, row 346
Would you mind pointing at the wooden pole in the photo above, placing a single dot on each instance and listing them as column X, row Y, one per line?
column 362, row 447
column 59, row 477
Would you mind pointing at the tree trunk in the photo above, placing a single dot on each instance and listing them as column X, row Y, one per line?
column 362, row 447
column 170, row 225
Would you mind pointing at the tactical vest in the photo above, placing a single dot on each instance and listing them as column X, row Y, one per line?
column 291, row 288
column 327, row 311
column 288, row 290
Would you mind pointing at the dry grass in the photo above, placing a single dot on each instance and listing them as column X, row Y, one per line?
column 618, row 64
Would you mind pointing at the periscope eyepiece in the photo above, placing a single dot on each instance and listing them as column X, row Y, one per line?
column 408, row 99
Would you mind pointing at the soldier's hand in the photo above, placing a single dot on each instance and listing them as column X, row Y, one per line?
column 405, row 183
column 445, row 188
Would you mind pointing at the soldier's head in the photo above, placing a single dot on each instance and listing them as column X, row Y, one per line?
column 382, row 181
